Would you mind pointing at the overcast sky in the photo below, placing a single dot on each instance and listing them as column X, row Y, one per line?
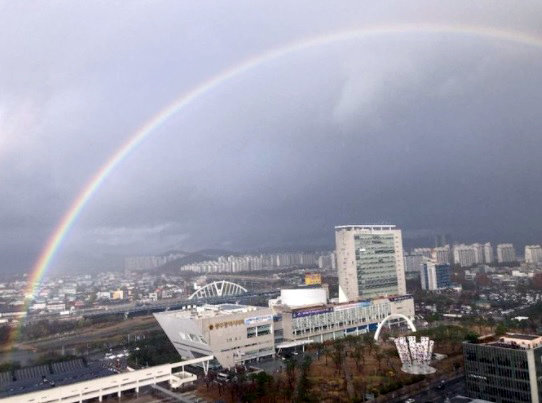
column 433, row 132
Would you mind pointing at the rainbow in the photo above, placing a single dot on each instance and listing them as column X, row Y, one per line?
column 68, row 219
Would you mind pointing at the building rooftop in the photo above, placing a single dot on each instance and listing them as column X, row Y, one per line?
column 210, row 311
column 522, row 336
column 516, row 341
column 375, row 227
column 505, row 345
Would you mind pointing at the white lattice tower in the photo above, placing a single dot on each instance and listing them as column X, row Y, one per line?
column 403, row 350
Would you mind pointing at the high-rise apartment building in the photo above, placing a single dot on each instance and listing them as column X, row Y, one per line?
column 441, row 254
column 478, row 252
column 327, row 261
column 488, row 253
column 413, row 263
column 533, row 254
column 506, row 253
column 435, row 276
column 425, row 252
column 465, row 255
column 369, row 261
column 506, row 370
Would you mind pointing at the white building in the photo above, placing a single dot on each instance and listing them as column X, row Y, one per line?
column 234, row 264
column 478, row 252
column 239, row 334
column 234, row 334
column 506, row 253
column 327, row 261
column 369, row 261
column 103, row 295
column 413, row 263
column 465, row 255
column 56, row 307
column 305, row 296
column 425, row 252
column 441, row 254
column 488, row 253
column 533, row 254
column 435, row 277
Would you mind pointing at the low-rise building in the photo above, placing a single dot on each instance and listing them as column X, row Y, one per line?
column 56, row 307
column 118, row 294
column 435, row 276
column 236, row 334
column 505, row 370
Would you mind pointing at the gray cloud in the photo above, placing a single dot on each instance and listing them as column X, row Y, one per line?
column 432, row 132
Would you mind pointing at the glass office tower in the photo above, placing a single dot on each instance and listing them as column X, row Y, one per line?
column 369, row 261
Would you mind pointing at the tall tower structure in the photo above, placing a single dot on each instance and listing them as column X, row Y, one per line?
column 369, row 261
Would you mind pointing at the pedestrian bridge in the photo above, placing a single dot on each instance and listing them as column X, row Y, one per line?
column 115, row 384
column 218, row 289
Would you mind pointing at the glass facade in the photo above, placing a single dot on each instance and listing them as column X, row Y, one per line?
column 497, row 373
column 376, row 266
column 443, row 275
column 347, row 319
column 538, row 366
column 256, row 331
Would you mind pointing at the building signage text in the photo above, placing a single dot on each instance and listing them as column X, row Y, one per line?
column 310, row 312
column 226, row 324
column 258, row 319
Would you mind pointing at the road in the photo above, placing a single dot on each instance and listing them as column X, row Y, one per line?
column 437, row 392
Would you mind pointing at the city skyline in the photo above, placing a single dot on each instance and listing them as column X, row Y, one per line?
column 413, row 248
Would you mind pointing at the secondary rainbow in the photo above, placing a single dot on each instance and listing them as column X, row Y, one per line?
column 187, row 98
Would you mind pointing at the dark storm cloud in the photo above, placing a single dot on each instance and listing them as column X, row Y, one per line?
column 432, row 132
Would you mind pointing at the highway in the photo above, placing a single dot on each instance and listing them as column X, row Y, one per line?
column 132, row 309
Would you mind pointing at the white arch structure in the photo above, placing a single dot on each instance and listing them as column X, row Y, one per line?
column 394, row 316
column 218, row 289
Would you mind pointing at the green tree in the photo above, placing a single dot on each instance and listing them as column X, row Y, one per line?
column 500, row 329
column 472, row 337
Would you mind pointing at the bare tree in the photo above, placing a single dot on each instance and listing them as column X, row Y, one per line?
column 290, row 374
